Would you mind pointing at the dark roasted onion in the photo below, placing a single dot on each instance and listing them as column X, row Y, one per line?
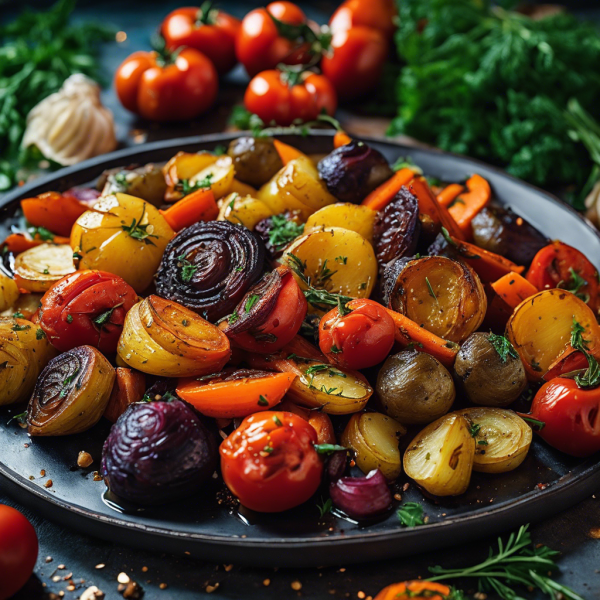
column 209, row 266
column 336, row 465
column 389, row 278
column 361, row 497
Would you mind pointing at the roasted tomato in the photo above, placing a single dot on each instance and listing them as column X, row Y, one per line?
column 269, row 461
column 377, row 14
column 167, row 87
column 283, row 96
column 86, row 308
column 358, row 339
column 53, row 211
column 211, row 31
column 561, row 266
column 356, row 62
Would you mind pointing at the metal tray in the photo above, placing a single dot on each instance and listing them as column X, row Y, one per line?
column 545, row 484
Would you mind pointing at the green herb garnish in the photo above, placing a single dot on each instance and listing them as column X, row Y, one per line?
column 69, row 318
column 44, row 234
column 18, row 315
column 262, row 401
column 590, row 378
column 329, row 449
column 277, row 421
column 474, row 429
column 252, row 300
column 104, row 318
column 17, row 327
column 502, row 346
column 187, row 268
column 411, row 514
column 325, row 507
column 283, row 231
column 185, row 187
column 431, row 292
column 138, row 231
column 40, row 334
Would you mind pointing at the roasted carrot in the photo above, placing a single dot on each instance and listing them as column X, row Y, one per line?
column 52, row 210
column 129, row 387
column 231, row 398
column 409, row 333
column 471, row 203
column 286, row 152
column 450, row 193
column 380, row 197
column 416, row 590
column 513, row 289
column 19, row 242
column 197, row 206
column 341, row 138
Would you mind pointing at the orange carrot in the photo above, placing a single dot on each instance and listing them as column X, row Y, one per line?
column 380, row 197
column 129, row 387
column 19, row 242
column 235, row 397
column 341, row 138
column 513, row 289
column 197, row 206
column 471, row 203
column 52, row 210
column 408, row 332
column 450, row 193
column 286, row 152
column 429, row 205
column 416, row 590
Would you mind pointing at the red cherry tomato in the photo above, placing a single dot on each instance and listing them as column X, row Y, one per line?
column 259, row 45
column 18, row 551
column 212, row 32
column 560, row 265
column 356, row 62
column 171, row 88
column 377, row 14
column 571, row 416
column 86, row 307
column 360, row 339
column 273, row 98
column 269, row 461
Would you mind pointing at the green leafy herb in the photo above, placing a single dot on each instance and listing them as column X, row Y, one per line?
column 324, row 275
column 187, row 268
column 575, row 284
column 329, row 449
column 331, row 371
column 44, row 234
column 138, row 231
column 268, row 449
column 474, row 429
column 185, row 187
column 335, row 350
column 283, row 231
column 233, row 317
column 406, row 162
column 411, row 514
column 185, row 323
column 277, row 421
column 483, row 443
column 252, row 300
column 431, row 292
column 219, row 150
column 18, row 315
column 262, row 401
column 535, row 422
column 590, row 378
column 104, row 318
column 17, row 327
column 40, row 334
column 502, row 346
column 67, row 384
column 77, row 256
column 46, row 271
column 21, row 418
column 342, row 259
column 325, row 507
column 69, row 318
column 318, row 41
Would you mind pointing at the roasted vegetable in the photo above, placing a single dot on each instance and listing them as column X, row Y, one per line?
column 440, row 458
column 217, row 176
column 26, row 305
column 279, row 230
column 71, row 393
column 244, row 210
column 353, row 171
column 374, row 438
column 489, row 369
column 361, row 497
column 129, row 387
column 53, row 211
column 162, row 337
column 255, row 159
column 38, row 268
column 181, row 168
column 345, row 215
column 147, row 182
column 9, row 291
column 415, row 388
column 158, row 452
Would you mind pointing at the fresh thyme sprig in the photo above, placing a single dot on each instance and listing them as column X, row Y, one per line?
column 138, row 231
column 591, row 376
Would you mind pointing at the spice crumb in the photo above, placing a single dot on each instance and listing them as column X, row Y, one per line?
column 296, row 585
column 144, row 569
column 133, row 591
column 61, row 567
column 56, row 578
column 49, row 559
column 209, row 589
column 92, row 593
column 26, row 445
column 595, row 533
column 397, row 497
column 267, row 582
column 43, row 473
column 97, row 476
column 361, row 595
column 70, row 588
column 48, row 483
column 342, row 570
column 163, row 586
column 67, row 577
column 84, row 459
column 100, row 566
column 123, row 578
column 228, row 567
column 31, row 478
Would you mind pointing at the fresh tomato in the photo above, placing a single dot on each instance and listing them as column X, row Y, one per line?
column 260, row 45
column 356, row 63
column 561, row 266
column 359, row 339
column 86, row 308
column 571, row 416
column 377, row 14
column 269, row 461
column 167, row 87
column 283, row 96
column 210, row 31
column 18, row 551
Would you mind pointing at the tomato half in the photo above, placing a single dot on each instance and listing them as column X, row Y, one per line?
column 360, row 339
column 18, row 550
column 275, row 97
column 167, row 88
column 86, row 308
column 269, row 461
column 212, row 32
column 559, row 265
column 377, row 14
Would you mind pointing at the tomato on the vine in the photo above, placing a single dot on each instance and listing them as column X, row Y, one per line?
column 167, row 87
column 212, row 32
column 358, row 339
column 283, row 96
column 269, row 462
column 377, row 14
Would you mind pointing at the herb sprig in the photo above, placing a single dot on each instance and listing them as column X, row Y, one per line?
column 590, row 378
column 502, row 346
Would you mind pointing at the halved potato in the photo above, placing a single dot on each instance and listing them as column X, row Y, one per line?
column 241, row 188
column 218, row 175
column 244, row 210
column 38, row 268
column 343, row 214
column 184, row 165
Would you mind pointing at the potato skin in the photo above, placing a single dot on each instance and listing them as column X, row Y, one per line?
column 485, row 378
column 415, row 388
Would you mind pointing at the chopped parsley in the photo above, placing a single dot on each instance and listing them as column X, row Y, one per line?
column 502, row 346
column 324, row 275
column 17, row 327
column 104, row 318
column 187, row 268
column 325, row 507
column 21, row 418
column 69, row 318
column 411, row 514
column 138, row 231
column 335, row 350
column 474, row 429
column 283, row 231
column 575, row 284
column 252, row 300
column 262, row 401
column 342, row 259
column 44, row 234
column 591, row 376
column 233, row 317
column 185, row 322
column 40, row 334
column 185, row 187
column 18, row 315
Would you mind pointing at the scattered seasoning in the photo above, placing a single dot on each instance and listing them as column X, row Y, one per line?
column 474, row 429
column 228, row 568
column 84, row 459
column 296, row 586
column 56, row 578
column 361, row 595
column 267, row 582
column 144, row 569
column 397, row 497
column 43, row 474
column 92, row 593
column 101, row 566
column 69, row 318
column 595, row 533
column 209, row 589
column 133, row 590
column 123, row 578
column 48, row 483
column 70, row 588
column 163, row 586
column 97, row 476
column 39, row 334
column 185, row 322
column 49, row 559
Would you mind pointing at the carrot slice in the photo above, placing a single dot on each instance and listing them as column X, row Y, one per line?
column 513, row 289
column 450, row 193
column 236, row 397
column 341, row 138
column 52, row 210
column 417, row 590
column 381, row 196
column 129, row 387
column 409, row 333
column 286, row 152
column 471, row 203
column 19, row 242
column 197, row 206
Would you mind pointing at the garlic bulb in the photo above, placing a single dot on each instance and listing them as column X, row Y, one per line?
column 71, row 124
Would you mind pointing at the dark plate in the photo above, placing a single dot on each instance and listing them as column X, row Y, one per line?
column 546, row 483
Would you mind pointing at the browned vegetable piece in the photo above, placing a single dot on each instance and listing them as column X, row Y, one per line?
column 129, row 387
column 255, row 159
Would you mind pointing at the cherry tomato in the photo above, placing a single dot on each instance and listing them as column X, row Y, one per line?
column 377, row 14
column 562, row 266
column 18, row 550
column 212, row 32
column 260, row 46
column 357, row 60
column 86, row 308
column 359, row 339
column 167, row 88
column 571, row 416
column 274, row 96
column 269, row 461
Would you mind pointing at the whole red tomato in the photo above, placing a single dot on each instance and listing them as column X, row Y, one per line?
column 167, row 87
column 282, row 97
column 356, row 60
column 377, row 14
column 210, row 31
column 269, row 461
column 86, row 307
column 18, row 551
column 359, row 339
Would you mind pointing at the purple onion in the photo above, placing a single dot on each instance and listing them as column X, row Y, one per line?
column 83, row 194
column 361, row 497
